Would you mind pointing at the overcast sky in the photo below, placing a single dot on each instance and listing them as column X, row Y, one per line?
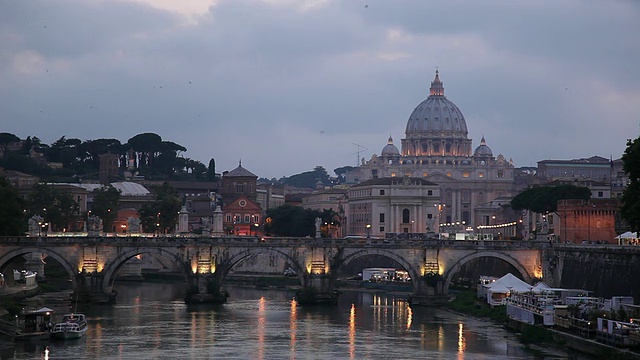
column 286, row 85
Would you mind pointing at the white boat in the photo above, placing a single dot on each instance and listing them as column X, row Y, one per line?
column 72, row 326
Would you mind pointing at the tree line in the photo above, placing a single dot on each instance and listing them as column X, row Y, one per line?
column 147, row 154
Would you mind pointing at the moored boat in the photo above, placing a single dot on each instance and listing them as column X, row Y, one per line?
column 72, row 326
column 33, row 325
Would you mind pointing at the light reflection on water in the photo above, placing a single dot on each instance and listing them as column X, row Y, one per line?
column 150, row 321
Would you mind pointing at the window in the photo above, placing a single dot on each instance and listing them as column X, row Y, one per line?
column 425, row 174
column 382, row 217
column 500, row 173
column 429, row 192
column 246, row 218
column 228, row 217
column 381, row 192
column 393, row 174
column 240, row 188
column 374, row 173
column 429, row 216
column 405, row 216
column 449, row 174
column 381, row 229
column 600, row 194
column 480, row 175
column 465, row 174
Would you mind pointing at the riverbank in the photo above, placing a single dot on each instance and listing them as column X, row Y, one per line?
column 468, row 304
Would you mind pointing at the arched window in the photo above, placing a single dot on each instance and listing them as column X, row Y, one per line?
column 405, row 216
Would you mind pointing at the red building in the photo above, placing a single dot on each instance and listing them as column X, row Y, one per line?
column 588, row 220
column 242, row 217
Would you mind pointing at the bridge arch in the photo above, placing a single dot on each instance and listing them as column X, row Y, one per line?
column 111, row 269
column 448, row 275
column 413, row 272
column 236, row 258
column 71, row 269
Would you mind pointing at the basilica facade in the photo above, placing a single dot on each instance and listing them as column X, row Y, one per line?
column 474, row 184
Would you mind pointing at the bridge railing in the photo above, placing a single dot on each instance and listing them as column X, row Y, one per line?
column 253, row 241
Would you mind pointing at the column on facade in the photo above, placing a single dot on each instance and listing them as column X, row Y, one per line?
column 392, row 219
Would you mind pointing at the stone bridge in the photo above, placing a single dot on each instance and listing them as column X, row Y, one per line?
column 93, row 262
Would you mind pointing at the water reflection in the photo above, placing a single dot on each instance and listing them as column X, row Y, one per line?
column 293, row 326
column 352, row 332
column 150, row 321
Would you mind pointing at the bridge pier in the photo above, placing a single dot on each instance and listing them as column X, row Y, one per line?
column 89, row 289
column 205, row 289
column 429, row 291
column 317, row 289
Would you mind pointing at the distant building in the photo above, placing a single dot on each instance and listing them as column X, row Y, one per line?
column 595, row 168
column 242, row 217
column 393, row 205
column 108, row 167
column 436, row 148
column 270, row 196
column 587, row 220
column 238, row 182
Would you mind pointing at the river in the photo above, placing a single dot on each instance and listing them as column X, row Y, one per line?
column 151, row 321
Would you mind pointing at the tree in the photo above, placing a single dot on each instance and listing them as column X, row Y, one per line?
column 57, row 207
column 630, row 210
column 211, row 170
column 105, row 206
column 544, row 199
column 308, row 179
column 12, row 214
column 6, row 139
column 146, row 145
column 161, row 214
column 289, row 220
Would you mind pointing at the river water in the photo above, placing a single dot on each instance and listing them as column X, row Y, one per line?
column 151, row 321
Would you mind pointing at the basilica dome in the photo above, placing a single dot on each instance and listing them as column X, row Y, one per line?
column 436, row 116
column 436, row 127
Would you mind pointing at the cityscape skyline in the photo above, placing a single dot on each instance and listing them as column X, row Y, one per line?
column 288, row 85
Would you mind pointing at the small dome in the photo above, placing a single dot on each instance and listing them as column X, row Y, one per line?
column 390, row 149
column 483, row 149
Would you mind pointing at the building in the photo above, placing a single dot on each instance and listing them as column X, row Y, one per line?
column 242, row 217
column 436, row 148
column 270, row 196
column 238, row 182
column 393, row 205
column 595, row 168
column 587, row 221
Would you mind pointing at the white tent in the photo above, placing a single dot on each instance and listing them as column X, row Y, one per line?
column 498, row 290
column 627, row 238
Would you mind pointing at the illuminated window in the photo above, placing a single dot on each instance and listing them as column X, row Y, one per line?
column 407, row 174
column 449, row 174
column 425, row 174
column 480, row 175
column 500, row 173
column 465, row 174
column 393, row 174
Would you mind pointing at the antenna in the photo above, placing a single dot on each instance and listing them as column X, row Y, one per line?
column 357, row 153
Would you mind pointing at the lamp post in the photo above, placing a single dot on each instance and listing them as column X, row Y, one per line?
column 368, row 231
